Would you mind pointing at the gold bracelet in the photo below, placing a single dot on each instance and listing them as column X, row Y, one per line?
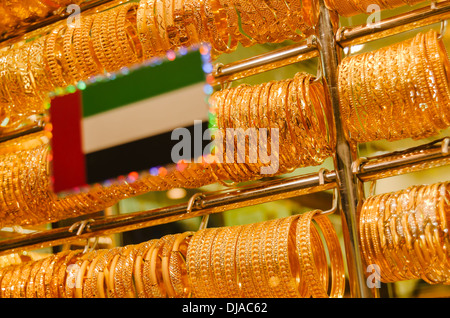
column 6, row 279
column 203, row 262
column 309, row 269
column 247, row 287
column 189, row 22
column 131, row 56
column 288, row 262
column 161, row 25
column 336, row 257
column 143, row 31
column 270, row 262
column 440, row 65
column 13, row 284
column 218, row 262
column 40, row 277
column 96, row 40
column 24, row 278
column 116, row 57
column 142, row 262
column 50, row 273
column 178, row 13
column 51, row 64
column 165, row 261
column 60, row 278
column 258, row 265
column 120, row 290
column 177, row 266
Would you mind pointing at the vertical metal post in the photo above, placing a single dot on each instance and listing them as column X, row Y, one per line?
column 346, row 180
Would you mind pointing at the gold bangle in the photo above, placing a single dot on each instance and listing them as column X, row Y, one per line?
column 59, row 279
column 243, row 262
column 51, row 57
column 143, row 31
column 93, row 64
column 152, row 269
column 24, row 278
column 336, row 257
column 127, row 273
column 311, row 275
column 153, row 29
column 224, row 265
column 131, row 56
column 88, row 288
column 270, row 265
column 50, row 273
column 440, row 65
column 96, row 40
column 239, row 150
column 6, row 279
column 13, row 284
column 40, row 277
column 424, row 84
column 218, row 261
column 177, row 266
column 165, row 261
column 257, row 261
column 112, row 44
column 189, row 22
column 262, row 116
column 181, row 32
column 30, row 288
column 119, row 272
column 287, row 260
column 69, row 54
column 161, row 25
column 251, row 141
column 203, row 256
column 139, row 274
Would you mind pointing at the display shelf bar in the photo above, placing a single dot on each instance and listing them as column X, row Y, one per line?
column 411, row 20
column 265, row 62
column 212, row 203
column 21, row 133
column 432, row 155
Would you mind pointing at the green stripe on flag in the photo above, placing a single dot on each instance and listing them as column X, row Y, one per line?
column 142, row 84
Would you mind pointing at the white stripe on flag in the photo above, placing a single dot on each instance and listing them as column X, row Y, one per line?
column 145, row 118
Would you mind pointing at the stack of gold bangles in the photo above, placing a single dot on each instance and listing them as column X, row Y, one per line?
column 288, row 120
column 396, row 92
column 278, row 258
column 405, row 234
column 151, row 269
column 348, row 8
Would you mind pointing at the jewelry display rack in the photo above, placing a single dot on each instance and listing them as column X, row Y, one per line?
column 350, row 171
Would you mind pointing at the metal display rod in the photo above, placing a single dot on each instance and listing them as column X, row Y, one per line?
column 434, row 13
column 265, row 62
column 347, row 182
column 368, row 170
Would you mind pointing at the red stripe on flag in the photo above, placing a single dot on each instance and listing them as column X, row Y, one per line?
column 69, row 167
